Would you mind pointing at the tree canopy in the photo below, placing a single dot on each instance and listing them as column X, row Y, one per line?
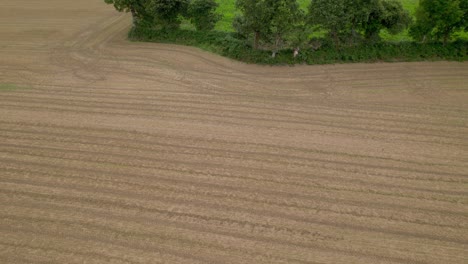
column 348, row 20
column 277, row 24
column 167, row 14
column 332, row 16
column 202, row 14
column 136, row 7
column 386, row 14
column 270, row 21
column 254, row 19
column 439, row 19
column 286, row 15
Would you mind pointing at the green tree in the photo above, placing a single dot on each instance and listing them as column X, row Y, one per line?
column 340, row 18
column 270, row 21
column 167, row 13
column 359, row 14
column 254, row 19
column 136, row 7
column 349, row 20
column 438, row 19
column 464, row 8
column 202, row 14
column 388, row 14
column 285, row 17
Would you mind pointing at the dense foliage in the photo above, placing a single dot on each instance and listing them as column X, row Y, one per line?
column 136, row 7
column 439, row 19
column 168, row 14
column 202, row 14
column 349, row 21
column 281, row 28
column 386, row 14
column 269, row 21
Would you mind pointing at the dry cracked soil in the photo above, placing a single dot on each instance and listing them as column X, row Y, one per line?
column 121, row 152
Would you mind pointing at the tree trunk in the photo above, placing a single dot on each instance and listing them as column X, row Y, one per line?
column 256, row 39
column 134, row 17
column 446, row 37
column 296, row 52
column 335, row 39
column 277, row 45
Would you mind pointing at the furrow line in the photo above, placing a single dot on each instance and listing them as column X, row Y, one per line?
column 232, row 187
column 313, row 198
column 315, row 176
column 93, row 239
column 87, row 254
column 222, row 222
column 156, row 137
column 170, row 165
column 266, row 243
column 151, row 147
column 215, row 213
column 341, row 106
column 118, row 232
column 152, row 158
column 233, row 108
column 238, row 194
column 100, row 108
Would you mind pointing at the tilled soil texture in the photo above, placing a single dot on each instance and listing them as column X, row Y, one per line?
column 120, row 152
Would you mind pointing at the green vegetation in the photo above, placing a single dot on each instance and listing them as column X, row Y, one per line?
column 228, row 45
column 307, row 31
column 349, row 21
column 439, row 19
column 228, row 9
column 272, row 22
column 10, row 87
column 202, row 14
column 169, row 14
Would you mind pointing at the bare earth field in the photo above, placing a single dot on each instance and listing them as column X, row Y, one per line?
column 119, row 152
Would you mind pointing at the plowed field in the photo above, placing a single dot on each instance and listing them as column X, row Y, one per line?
column 120, row 152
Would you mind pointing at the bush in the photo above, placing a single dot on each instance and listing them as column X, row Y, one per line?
column 229, row 45
column 202, row 14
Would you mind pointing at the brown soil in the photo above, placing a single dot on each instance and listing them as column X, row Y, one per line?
column 119, row 152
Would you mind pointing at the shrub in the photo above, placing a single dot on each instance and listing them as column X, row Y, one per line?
column 202, row 14
column 229, row 45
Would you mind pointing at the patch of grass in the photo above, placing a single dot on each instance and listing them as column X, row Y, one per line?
column 11, row 87
column 410, row 5
column 226, row 8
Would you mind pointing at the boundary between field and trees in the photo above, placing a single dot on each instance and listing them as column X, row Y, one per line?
column 326, row 31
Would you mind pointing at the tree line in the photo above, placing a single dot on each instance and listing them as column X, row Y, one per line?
column 278, row 24
column 168, row 14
